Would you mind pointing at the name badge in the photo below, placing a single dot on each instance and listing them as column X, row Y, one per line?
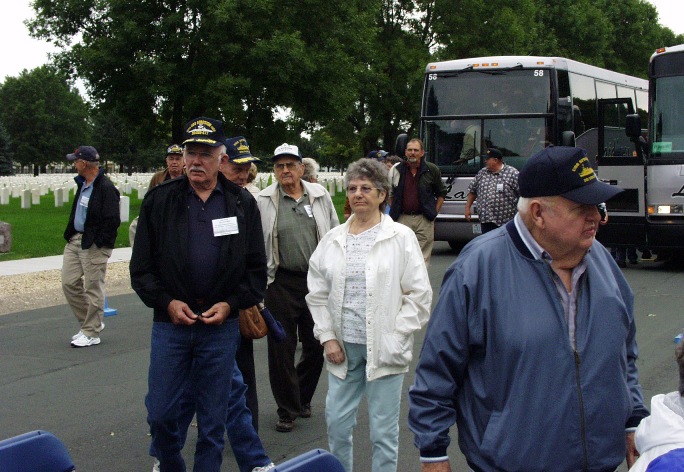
column 499, row 187
column 84, row 202
column 309, row 211
column 225, row 226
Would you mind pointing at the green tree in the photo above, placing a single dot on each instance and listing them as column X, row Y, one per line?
column 6, row 167
column 44, row 116
column 160, row 63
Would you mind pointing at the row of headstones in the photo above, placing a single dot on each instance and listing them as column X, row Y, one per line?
column 126, row 185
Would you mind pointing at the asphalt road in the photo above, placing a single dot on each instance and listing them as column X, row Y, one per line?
column 93, row 398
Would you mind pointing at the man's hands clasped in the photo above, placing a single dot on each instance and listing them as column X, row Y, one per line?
column 181, row 314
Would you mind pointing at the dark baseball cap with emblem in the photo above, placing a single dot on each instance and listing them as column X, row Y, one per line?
column 204, row 130
column 174, row 149
column 566, row 172
column 493, row 153
column 238, row 151
column 87, row 153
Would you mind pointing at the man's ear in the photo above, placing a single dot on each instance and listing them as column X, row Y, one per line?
column 537, row 212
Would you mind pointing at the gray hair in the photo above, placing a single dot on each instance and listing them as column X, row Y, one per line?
column 311, row 169
column 372, row 170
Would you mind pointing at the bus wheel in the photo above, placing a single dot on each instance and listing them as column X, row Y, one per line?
column 456, row 245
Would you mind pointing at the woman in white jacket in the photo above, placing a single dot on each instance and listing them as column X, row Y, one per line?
column 663, row 431
column 369, row 292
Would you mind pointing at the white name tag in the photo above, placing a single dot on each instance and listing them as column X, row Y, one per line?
column 309, row 211
column 84, row 202
column 225, row 226
column 499, row 187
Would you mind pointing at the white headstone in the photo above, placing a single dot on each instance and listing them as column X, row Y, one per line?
column 26, row 198
column 125, row 208
column 59, row 198
column 4, row 196
column 35, row 196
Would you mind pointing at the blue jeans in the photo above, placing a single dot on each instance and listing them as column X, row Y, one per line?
column 198, row 360
column 244, row 441
column 384, row 400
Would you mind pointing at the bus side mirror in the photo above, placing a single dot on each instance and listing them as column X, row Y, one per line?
column 568, row 138
column 633, row 126
column 400, row 145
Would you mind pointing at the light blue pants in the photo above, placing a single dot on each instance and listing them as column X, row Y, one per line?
column 342, row 402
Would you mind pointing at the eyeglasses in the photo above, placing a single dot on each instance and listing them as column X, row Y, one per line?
column 288, row 165
column 351, row 190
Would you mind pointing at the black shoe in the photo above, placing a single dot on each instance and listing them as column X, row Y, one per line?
column 285, row 425
column 622, row 264
column 306, row 411
column 633, row 261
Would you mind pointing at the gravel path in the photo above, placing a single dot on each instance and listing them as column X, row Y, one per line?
column 43, row 289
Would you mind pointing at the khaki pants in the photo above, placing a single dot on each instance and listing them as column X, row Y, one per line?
column 425, row 233
column 83, row 278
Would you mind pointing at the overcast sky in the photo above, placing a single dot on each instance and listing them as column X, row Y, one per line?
column 22, row 52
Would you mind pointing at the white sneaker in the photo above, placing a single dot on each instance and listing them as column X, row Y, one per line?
column 85, row 341
column 155, row 467
column 73, row 338
column 264, row 468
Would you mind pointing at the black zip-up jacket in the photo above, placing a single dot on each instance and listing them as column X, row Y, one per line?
column 160, row 261
column 430, row 187
column 102, row 217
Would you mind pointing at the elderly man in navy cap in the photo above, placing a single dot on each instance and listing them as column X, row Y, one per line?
column 531, row 348
column 90, row 234
column 198, row 259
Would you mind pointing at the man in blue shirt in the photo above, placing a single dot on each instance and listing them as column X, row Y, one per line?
column 90, row 234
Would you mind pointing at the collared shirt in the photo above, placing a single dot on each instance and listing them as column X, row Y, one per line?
column 297, row 233
column 204, row 247
column 497, row 194
column 82, row 207
column 411, row 201
column 568, row 299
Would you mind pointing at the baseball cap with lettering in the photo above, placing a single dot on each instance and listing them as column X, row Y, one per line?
column 564, row 171
column 204, row 130
column 286, row 150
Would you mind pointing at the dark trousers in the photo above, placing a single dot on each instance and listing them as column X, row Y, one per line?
column 244, row 357
column 292, row 385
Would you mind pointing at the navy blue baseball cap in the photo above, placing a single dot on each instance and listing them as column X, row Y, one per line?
column 204, row 130
column 493, row 153
column 174, row 149
column 238, row 151
column 87, row 153
column 566, row 172
column 380, row 155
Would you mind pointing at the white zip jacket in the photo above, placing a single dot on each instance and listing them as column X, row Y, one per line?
column 323, row 212
column 398, row 296
column 661, row 432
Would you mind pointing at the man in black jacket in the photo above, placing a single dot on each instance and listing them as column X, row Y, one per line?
column 90, row 234
column 417, row 195
column 198, row 258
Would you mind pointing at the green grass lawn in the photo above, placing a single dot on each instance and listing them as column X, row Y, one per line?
column 38, row 231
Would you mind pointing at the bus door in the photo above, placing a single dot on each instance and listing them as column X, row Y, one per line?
column 619, row 164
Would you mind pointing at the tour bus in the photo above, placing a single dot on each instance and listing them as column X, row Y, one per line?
column 520, row 105
column 665, row 156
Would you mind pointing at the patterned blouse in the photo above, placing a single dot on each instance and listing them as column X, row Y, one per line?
column 354, row 301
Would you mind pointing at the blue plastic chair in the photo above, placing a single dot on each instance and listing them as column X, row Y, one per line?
column 37, row 451
column 317, row 460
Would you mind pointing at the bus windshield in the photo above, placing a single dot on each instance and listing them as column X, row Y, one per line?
column 668, row 117
column 466, row 112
